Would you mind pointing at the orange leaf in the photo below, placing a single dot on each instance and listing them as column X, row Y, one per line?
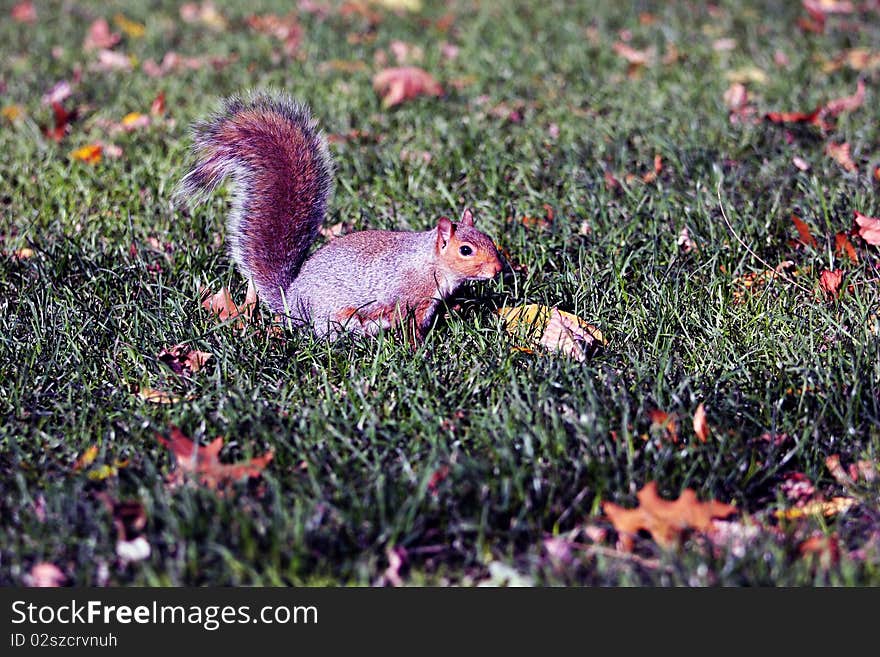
column 397, row 85
column 701, row 427
column 222, row 305
column 869, row 228
column 86, row 458
column 665, row 520
column 804, row 231
column 91, row 153
column 841, row 155
column 667, row 422
column 157, row 108
column 843, row 245
column 829, row 281
column 203, row 463
column 810, row 118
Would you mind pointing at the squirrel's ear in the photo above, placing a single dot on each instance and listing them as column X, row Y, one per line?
column 445, row 229
column 467, row 217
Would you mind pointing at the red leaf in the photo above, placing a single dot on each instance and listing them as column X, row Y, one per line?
column 829, row 281
column 701, row 427
column 804, row 231
column 869, row 228
column 62, row 122
column 794, row 117
column 24, row 12
column 847, row 103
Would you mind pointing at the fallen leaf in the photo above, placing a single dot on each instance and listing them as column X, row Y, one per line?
column 24, row 12
column 45, row 575
column 437, row 477
column 633, row 56
column 747, row 74
column 155, row 396
column 847, row 103
column 62, row 120
column 829, row 281
column 99, row 36
column 396, row 85
column 817, row 508
column 685, row 242
column 736, row 99
column 664, row 423
column 58, row 93
column 203, row 12
column 157, row 107
column 173, row 62
column 553, row 329
column 800, row 163
column 861, row 470
column 825, row 548
column 803, row 231
column 843, row 245
column 396, row 559
column 401, row 5
column 284, row 28
column 701, row 426
column 21, row 254
column 664, row 520
column 90, row 153
column 405, row 53
column 869, row 228
column 110, row 60
column 203, row 465
column 12, row 113
column 131, row 28
column 753, row 281
column 841, row 154
column 810, row 118
column 222, row 305
column 134, row 121
column 86, row 458
column 183, row 360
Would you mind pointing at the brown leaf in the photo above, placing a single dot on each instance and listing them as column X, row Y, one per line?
column 45, row 575
column 869, row 228
column 222, row 305
column 829, row 281
column 803, row 231
column 183, row 360
column 99, row 36
column 664, row 422
column 701, row 426
column 633, row 56
column 825, row 548
column 24, row 12
column 843, row 245
column 155, row 396
column 664, row 520
column 284, row 28
column 841, row 154
column 736, row 99
column 203, row 465
column 397, row 85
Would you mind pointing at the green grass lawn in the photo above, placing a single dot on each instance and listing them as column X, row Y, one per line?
column 540, row 112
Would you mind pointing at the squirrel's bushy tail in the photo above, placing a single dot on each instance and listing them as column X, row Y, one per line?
column 271, row 149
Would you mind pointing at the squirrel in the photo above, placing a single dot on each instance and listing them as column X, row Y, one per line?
column 365, row 281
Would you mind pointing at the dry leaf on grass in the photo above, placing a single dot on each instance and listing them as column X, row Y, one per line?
column 840, row 153
column 99, row 36
column 24, row 12
column 203, row 465
column 183, row 360
column 665, row 424
column 664, row 520
column 830, row 280
column 45, row 575
column 90, row 153
column 869, row 228
column 842, row 245
column 397, row 85
column 803, row 231
column 155, row 396
column 701, row 426
column 553, row 329
column 817, row 508
column 222, row 305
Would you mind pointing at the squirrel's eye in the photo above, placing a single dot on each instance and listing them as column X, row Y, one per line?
column 465, row 250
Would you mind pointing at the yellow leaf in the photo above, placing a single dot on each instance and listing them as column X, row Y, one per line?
column 553, row 329
column 405, row 5
column 87, row 458
column 91, row 153
column 103, row 472
column 12, row 112
column 132, row 28
column 747, row 74
column 134, row 119
column 157, row 396
column 834, row 506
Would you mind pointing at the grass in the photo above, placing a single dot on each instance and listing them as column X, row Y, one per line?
column 533, row 443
